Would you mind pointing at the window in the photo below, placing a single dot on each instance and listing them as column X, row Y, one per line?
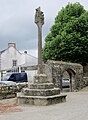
column 14, row 63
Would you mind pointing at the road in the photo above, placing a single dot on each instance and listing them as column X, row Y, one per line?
column 75, row 108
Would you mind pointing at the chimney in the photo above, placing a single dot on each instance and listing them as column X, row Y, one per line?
column 11, row 45
column 25, row 52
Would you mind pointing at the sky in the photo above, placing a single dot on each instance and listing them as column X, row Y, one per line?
column 17, row 21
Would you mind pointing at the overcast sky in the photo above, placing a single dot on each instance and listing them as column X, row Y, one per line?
column 17, row 21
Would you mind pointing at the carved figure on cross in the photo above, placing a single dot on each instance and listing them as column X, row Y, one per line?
column 39, row 17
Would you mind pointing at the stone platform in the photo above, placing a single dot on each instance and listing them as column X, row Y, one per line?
column 41, row 92
column 40, row 100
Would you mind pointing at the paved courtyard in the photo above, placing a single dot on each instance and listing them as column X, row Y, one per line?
column 75, row 108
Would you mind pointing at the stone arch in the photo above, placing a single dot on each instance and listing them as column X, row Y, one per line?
column 71, row 76
column 74, row 70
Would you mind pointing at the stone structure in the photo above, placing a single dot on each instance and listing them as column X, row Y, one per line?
column 74, row 70
column 85, row 81
column 45, row 89
column 42, row 91
column 85, row 71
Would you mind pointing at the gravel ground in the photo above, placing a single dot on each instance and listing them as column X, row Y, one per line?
column 75, row 108
column 9, row 105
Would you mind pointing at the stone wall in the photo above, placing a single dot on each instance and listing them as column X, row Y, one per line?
column 10, row 91
column 85, row 81
column 85, row 71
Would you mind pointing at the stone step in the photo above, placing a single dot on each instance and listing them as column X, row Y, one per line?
column 40, row 92
column 41, row 86
column 40, row 100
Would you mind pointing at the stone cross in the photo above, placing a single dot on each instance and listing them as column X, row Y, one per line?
column 39, row 20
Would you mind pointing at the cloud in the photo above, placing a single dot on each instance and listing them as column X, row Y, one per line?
column 17, row 21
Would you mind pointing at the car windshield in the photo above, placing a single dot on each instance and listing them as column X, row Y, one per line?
column 6, row 77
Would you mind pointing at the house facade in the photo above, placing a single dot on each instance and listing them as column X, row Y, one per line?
column 11, row 58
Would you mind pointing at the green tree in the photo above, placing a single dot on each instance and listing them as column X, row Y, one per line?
column 68, row 37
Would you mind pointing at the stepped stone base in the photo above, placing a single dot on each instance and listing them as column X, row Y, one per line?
column 41, row 92
column 40, row 100
column 42, row 86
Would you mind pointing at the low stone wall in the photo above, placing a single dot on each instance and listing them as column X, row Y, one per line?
column 85, row 81
column 10, row 91
column 7, row 95
column 7, row 91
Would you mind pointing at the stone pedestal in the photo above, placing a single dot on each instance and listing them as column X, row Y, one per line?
column 41, row 92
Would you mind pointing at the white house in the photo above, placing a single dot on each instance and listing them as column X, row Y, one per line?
column 11, row 58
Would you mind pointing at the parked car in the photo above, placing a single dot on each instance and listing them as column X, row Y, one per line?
column 7, row 83
column 65, row 82
column 16, row 77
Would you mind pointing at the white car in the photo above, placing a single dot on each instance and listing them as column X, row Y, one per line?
column 65, row 82
column 7, row 83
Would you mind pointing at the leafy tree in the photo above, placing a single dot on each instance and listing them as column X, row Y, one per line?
column 68, row 37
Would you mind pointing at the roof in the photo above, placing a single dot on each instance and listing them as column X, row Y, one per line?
column 30, row 60
column 3, row 51
column 7, row 49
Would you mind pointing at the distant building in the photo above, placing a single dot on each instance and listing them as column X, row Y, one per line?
column 11, row 58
